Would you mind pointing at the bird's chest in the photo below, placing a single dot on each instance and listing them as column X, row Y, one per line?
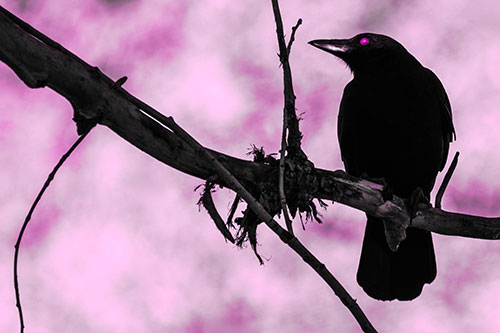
column 386, row 125
column 384, row 115
column 393, row 108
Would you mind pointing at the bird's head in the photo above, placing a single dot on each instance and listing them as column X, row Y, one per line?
column 367, row 52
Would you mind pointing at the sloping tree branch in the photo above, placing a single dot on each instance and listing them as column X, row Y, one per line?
column 94, row 96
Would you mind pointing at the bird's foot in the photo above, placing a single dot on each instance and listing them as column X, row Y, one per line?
column 387, row 192
column 417, row 201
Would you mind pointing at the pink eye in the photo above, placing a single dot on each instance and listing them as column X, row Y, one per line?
column 364, row 41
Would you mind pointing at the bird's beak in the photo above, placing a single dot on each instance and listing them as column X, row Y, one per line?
column 337, row 47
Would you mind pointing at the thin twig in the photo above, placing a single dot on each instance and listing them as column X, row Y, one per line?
column 285, row 236
column 292, row 36
column 294, row 135
column 209, row 205
column 281, row 182
column 287, row 113
column 28, row 218
column 446, row 180
column 232, row 211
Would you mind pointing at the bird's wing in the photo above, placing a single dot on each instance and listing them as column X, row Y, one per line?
column 351, row 166
column 446, row 116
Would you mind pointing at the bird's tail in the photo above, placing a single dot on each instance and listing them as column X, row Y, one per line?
column 387, row 275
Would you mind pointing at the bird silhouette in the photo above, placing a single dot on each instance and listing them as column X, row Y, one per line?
column 394, row 123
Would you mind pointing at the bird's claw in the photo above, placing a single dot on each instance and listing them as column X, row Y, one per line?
column 417, row 201
column 387, row 192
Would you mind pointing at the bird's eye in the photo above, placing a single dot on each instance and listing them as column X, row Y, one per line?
column 364, row 41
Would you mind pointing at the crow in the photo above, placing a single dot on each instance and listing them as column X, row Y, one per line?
column 394, row 124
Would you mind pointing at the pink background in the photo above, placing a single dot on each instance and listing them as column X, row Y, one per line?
column 118, row 244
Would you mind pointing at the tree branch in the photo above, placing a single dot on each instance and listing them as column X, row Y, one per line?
column 294, row 135
column 93, row 95
column 292, row 36
column 367, row 196
column 446, row 180
column 92, row 92
column 288, row 91
column 27, row 219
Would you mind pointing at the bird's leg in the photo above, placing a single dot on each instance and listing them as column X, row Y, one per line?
column 417, row 201
column 394, row 233
column 387, row 192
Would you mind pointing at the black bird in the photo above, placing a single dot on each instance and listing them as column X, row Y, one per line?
column 394, row 123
